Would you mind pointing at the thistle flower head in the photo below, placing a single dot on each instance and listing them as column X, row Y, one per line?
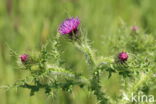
column 69, row 26
column 123, row 56
column 134, row 28
column 24, row 58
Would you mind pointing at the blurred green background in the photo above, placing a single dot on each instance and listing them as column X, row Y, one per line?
column 26, row 24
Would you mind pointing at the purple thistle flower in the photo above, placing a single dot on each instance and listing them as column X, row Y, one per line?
column 24, row 58
column 123, row 56
column 69, row 26
column 134, row 28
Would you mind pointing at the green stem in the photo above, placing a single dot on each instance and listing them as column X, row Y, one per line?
column 88, row 52
column 96, row 88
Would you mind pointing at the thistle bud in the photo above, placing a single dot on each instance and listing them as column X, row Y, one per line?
column 123, row 56
column 134, row 28
column 24, row 58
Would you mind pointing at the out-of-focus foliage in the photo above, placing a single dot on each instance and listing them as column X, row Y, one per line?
column 25, row 25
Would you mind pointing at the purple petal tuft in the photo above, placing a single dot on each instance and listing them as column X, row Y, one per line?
column 68, row 26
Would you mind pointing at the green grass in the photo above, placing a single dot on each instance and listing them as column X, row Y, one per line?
column 26, row 24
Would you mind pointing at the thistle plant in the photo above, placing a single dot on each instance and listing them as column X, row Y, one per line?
column 135, row 68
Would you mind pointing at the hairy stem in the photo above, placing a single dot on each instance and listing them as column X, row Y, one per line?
column 96, row 88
